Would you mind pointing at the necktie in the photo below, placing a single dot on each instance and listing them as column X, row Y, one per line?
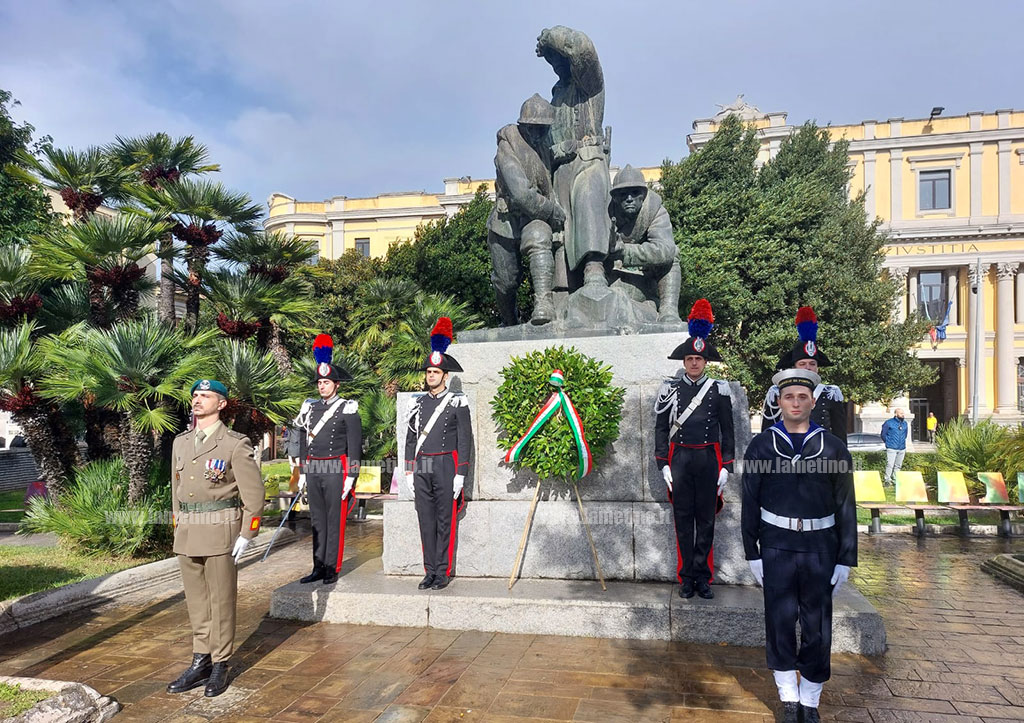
column 200, row 438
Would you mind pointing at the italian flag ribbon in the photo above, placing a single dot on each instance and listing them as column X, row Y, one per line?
column 558, row 400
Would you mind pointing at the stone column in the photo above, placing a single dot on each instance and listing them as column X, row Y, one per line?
column 953, row 294
column 899, row 275
column 976, row 300
column 913, row 307
column 961, row 363
column 1020, row 298
column 1006, row 362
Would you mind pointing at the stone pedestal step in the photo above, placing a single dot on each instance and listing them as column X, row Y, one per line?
column 647, row 611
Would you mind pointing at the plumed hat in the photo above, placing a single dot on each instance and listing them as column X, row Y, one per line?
column 700, row 323
column 807, row 347
column 323, row 354
column 440, row 340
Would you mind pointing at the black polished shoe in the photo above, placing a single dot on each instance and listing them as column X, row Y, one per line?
column 790, row 713
column 317, row 574
column 704, row 590
column 194, row 676
column 426, row 582
column 330, row 577
column 810, row 715
column 686, row 589
column 218, row 682
column 440, row 582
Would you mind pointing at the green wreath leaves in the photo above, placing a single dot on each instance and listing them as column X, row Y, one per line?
column 552, row 453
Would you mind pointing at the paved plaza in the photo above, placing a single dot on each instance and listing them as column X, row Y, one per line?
column 956, row 652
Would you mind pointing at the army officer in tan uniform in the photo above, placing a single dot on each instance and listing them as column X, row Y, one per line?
column 217, row 497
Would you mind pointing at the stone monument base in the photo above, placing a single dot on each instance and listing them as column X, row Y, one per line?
column 364, row 595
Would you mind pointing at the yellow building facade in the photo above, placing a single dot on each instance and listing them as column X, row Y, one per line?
column 947, row 190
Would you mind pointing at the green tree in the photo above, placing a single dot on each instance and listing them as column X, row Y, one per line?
column 260, row 396
column 138, row 369
column 450, row 257
column 24, row 206
column 337, row 293
column 759, row 242
column 157, row 160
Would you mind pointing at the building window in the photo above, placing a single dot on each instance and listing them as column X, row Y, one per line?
column 934, row 190
column 931, row 295
column 363, row 246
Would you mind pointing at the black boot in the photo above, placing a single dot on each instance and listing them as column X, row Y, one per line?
column 440, row 582
column 317, row 574
column 194, row 676
column 704, row 589
column 218, row 680
column 686, row 590
column 790, row 713
column 810, row 715
column 426, row 582
column 330, row 577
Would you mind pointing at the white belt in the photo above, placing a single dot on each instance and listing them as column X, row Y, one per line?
column 805, row 524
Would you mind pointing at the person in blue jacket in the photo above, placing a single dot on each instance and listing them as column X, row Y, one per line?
column 894, row 436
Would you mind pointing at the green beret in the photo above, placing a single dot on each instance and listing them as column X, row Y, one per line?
column 209, row 385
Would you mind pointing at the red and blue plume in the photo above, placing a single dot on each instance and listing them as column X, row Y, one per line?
column 807, row 324
column 323, row 348
column 441, row 335
column 701, row 320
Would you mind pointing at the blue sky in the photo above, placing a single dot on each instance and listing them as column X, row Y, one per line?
column 317, row 99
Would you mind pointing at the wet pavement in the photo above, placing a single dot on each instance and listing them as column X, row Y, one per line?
column 956, row 652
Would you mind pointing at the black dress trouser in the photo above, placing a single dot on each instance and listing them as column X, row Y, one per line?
column 798, row 586
column 325, row 514
column 434, row 489
column 694, row 500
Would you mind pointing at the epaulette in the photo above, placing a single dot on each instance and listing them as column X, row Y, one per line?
column 723, row 387
column 351, row 407
column 236, row 435
column 833, row 392
column 459, row 399
column 182, row 433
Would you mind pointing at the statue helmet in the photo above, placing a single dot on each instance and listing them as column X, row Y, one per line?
column 628, row 177
column 537, row 111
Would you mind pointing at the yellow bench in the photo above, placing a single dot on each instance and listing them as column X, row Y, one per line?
column 911, row 491
column 870, row 495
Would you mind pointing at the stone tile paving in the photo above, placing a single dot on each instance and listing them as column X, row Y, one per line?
column 956, row 652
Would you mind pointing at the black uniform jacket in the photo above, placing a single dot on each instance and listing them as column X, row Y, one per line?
column 451, row 433
column 710, row 423
column 812, row 482
column 341, row 435
column 829, row 410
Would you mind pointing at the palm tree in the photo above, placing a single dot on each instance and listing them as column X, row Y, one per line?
column 260, row 396
column 19, row 292
column 84, row 179
column 158, row 160
column 384, row 305
column 274, row 257
column 410, row 340
column 52, row 445
column 105, row 253
column 139, row 369
column 199, row 210
column 378, row 412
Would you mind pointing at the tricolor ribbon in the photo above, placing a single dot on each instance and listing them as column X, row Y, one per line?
column 558, row 400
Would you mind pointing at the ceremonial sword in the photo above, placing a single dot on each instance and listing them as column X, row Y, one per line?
column 283, row 520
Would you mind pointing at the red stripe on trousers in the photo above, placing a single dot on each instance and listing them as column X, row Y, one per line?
column 345, row 509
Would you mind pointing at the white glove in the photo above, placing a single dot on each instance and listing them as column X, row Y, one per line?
column 302, row 482
column 409, row 480
column 840, row 575
column 757, row 567
column 349, row 482
column 239, row 549
column 457, row 483
column 293, row 462
column 666, row 472
column 723, row 475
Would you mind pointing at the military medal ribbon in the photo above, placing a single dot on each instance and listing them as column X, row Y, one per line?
column 558, row 400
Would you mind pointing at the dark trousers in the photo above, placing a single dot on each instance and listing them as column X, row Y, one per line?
column 797, row 586
column 325, row 512
column 694, row 496
column 433, row 488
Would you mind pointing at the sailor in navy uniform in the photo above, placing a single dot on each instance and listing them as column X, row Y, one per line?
column 331, row 438
column 694, row 445
column 799, row 527
column 829, row 406
column 438, row 445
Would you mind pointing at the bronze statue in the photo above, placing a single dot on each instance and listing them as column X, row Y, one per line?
column 579, row 152
column 642, row 239
column 525, row 212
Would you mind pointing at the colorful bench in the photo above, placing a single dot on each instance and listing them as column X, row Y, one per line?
column 997, row 498
column 911, row 491
column 953, row 491
column 870, row 495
